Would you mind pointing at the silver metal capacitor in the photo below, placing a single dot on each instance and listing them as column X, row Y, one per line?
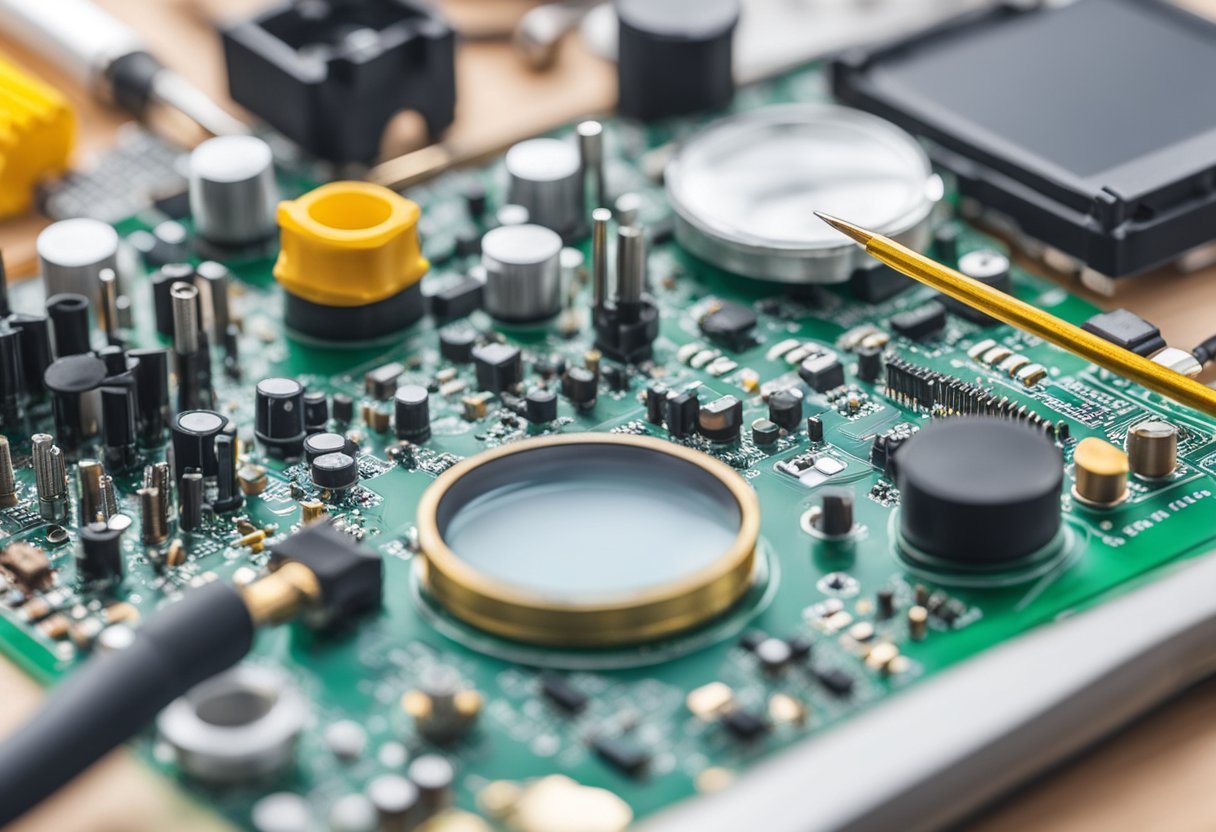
column 233, row 194
column 1152, row 449
column 74, row 253
column 523, row 273
column 546, row 177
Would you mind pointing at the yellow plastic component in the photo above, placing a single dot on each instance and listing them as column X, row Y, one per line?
column 37, row 130
column 349, row 244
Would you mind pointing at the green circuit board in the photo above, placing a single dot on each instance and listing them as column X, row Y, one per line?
column 806, row 589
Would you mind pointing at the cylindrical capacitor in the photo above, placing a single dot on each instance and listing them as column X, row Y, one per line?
column 151, row 394
column 99, row 559
column 190, row 501
column 1100, row 470
column 546, row 177
column 212, row 280
column 456, row 344
column 591, row 154
column 835, row 518
column 1152, row 448
column 69, row 314
column 35, row 349
column 73, row 382
column 118, row 427
column 869, row 363
column 320, row 444
column 279, row 417
column 194, row 433
column 989, row 267
column 630, row 269
column 336, row 472
column 540, row 406
column 72, row 254
column 581, row 387
column 675, row 56
column 396, row 802
column 523, row 273
column 412, row 413
column 316, row 411
column 785, row 410
column 12, row 377
column 163, row 281
column 233, row 194
column 228, row 496
column 433, row 775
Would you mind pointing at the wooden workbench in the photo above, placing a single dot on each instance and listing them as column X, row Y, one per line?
column 1155, row 775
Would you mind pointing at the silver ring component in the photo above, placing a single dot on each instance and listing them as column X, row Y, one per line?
column 523, row 272
column 744, row 190
column 237, row 726
column 546, row 177
column 73, row 254
column 233, row 193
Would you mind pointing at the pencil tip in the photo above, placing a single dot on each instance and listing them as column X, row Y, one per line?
column 860, row 235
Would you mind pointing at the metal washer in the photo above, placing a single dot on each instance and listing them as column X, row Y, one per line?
column 744, row 190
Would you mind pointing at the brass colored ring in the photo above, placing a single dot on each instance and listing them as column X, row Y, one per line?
column 647, row 615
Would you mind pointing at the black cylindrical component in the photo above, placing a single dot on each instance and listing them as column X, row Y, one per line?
column 540, row 406
column 675, row 56
column 69, row 314
column 316, row 411
column 279, row 417
column 581, row 387
column 869, row 363
column 194, row 433
column 228, row 496
column 945, row 243
column 721, row 419
column 151, row 394
column 73, row 382
column 162, row 283
column 682, row 410
column 814, row 429
column 5, row 308
column 785, row 410
column 412, row 413
column 656, row 405
column 12, row 377
column 344, row 408
column 336, row 472
column 118, row 427
column 320, row 444
column 978, row 491
column 99, row 558
column 190, row 501
column 115, row 359
column 456, row 345
column 765, row 432
column 35, row 349
column 835, row 512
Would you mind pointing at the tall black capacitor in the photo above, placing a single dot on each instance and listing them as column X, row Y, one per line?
column 69, row 314
column 279, row 417
column 675, row 56
column 162, row 301
column 118, row 427
column 99, row 559
column 12, row 378
column 151, row 394
column 35, row 349
column 73, row 382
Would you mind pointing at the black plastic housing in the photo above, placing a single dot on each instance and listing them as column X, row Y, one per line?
column 1092, row 127
column 330, row 75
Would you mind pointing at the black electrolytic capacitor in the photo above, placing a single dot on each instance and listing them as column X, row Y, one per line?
column 73, row 382
column 162, row 282
column 115, row 359
column 675, row 56
column 12, row 377
column 682, row 410
column 35, row 349
column 344, row 408
column 316, row 411
column 190, row 501
column 194, row 433
column 456, row 345
column 279, row 417
column 412, row 412
column 69, row 314
column 151, row 394
column 99, row 558
column 869, row 363
column 118, row 427
column 765, row 432
column 336, row 472
column 320, row 444
column 540, row 406
column 581, row 387
column 785, row 410
column 228, row 496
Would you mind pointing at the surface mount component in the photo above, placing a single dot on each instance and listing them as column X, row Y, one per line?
column 330, row 75
column 588, row 539
column 1079, row 147
column 744, row 189
column 978, row 492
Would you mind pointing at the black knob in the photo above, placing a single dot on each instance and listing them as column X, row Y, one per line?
column 580, row 386
column 194, row 433
column 316, row 411
column 337, row 471
column 73, row 382
column 279, row 417
column 320, row 444
column 69, row 314
column 540, row 406
column 675, row 56
column 785, row 410
column 413, row 413
column 979, row 491
column 99, row 559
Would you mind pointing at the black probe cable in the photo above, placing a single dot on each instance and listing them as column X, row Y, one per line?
column 115, row 695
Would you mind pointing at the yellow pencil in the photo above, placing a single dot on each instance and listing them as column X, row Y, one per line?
column 1022, row 315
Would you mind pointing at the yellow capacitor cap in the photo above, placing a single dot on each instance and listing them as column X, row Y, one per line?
column 1101, row 472
column 37, row 130
column 349, row 244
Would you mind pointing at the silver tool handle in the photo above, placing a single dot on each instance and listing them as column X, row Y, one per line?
column 77, row 35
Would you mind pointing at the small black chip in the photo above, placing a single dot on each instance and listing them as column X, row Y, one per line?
column 558, row 690
column 744, row 724
column 622, row 754
column 1127, row 329
column 923, row 322
column 731, row 325
column 822, row 372
column 498, row 366
column 835, row 681
column 458, row 300
column 381, row 383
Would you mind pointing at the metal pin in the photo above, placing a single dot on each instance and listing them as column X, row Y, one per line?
column 50, row 479
column 600, row 218
column 88, row 474
column 190, row 496
column 193, row 359
column 212, row 279
column 591, row 151
column 158, row 476
column 109, row 305
column 630, row 265
column 185, row 318
column 151, row 522
column 109, row 498
column 8, row 478
column 627, row 207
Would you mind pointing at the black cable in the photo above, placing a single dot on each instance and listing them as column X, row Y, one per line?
column 1206, row 350
column 115, row 695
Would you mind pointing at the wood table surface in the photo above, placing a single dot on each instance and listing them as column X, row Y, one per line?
column 1154, row 775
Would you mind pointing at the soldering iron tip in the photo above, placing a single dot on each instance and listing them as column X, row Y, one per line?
column 860, row 235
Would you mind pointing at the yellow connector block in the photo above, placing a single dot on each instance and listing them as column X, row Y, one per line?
column 37, row 131
column 349, row 244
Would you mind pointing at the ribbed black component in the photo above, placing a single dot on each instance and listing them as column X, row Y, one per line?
column 279, row 417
